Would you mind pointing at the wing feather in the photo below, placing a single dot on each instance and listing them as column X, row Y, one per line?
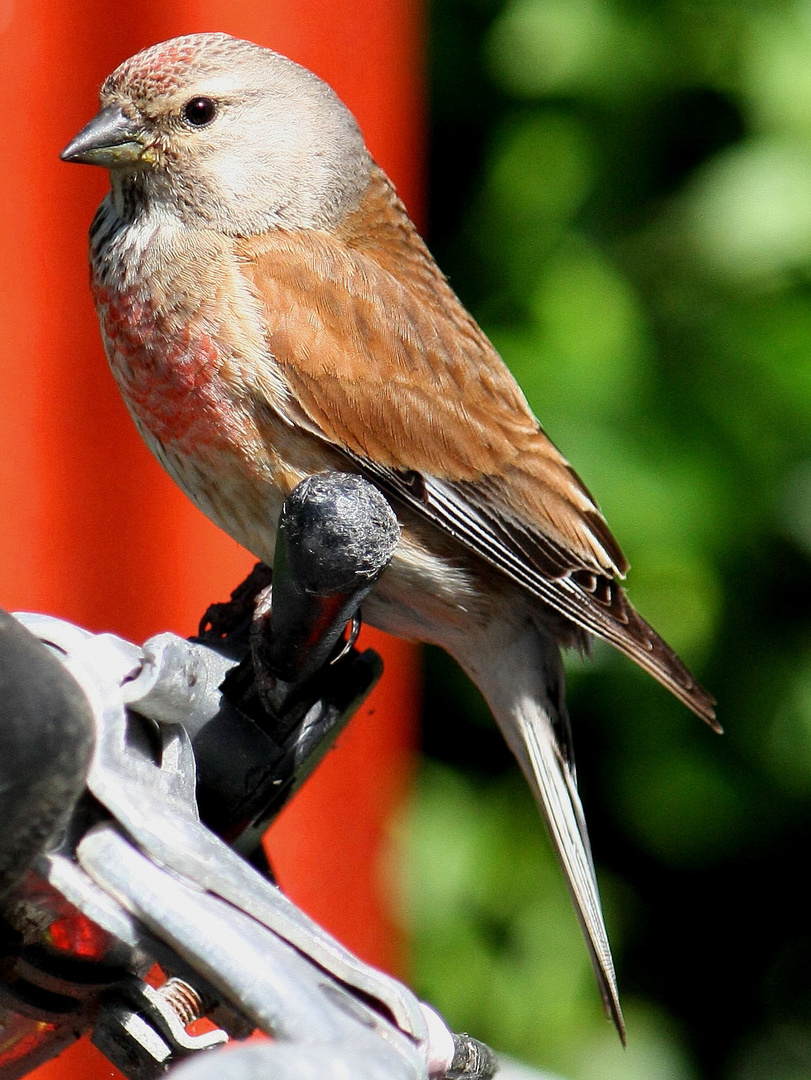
column 385, row 364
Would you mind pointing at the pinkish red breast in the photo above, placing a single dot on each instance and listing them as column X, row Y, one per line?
column 169, row 372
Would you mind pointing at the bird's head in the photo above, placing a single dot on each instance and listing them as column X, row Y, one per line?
column 218, row 132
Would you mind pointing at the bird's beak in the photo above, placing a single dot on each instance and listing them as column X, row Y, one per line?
column 111, row 138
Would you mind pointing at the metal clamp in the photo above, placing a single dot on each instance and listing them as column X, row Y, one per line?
column 136, row 863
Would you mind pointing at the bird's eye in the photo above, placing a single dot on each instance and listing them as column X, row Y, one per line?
column 199, row 111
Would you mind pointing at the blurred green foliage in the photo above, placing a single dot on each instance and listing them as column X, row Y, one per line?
column 621, row 192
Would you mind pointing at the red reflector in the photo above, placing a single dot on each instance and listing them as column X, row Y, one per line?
column 77, row 935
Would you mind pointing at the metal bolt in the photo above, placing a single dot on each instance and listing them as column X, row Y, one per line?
column 183, row 998
column 472, row 1060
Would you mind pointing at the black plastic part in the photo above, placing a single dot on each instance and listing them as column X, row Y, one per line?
column 259, row 860
column 46, row 743
column 285, row 703
column 337, row 534
column 245, row 776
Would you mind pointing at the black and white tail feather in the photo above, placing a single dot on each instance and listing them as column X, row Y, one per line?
column 525, row 693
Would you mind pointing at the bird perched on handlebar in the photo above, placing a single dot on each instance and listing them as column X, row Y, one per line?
column 269, row 311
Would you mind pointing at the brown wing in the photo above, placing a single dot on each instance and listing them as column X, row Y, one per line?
column 387, row 365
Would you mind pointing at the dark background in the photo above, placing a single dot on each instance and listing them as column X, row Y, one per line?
column 621, row 193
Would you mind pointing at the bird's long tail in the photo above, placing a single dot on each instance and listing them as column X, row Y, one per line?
column 520, row 673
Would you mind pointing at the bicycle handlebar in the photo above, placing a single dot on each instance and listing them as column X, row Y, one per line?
column 127, row 771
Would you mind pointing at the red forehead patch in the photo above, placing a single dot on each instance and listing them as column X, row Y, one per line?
column 157, row 70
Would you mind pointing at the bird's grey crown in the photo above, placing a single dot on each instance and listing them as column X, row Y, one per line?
column 283, row 149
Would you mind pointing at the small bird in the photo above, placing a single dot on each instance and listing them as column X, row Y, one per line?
column 269, row 311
